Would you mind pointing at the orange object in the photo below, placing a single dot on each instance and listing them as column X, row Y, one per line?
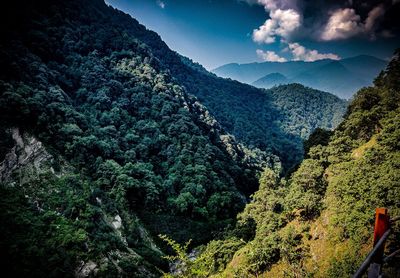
column 381, row 226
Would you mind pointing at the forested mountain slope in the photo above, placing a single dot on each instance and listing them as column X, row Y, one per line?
column 275, row 120
column 247, row 113
column 250, row 114
column 312, row 108
column 122, row 143
column 255, row 117
column 319, row 221
column 104, row 143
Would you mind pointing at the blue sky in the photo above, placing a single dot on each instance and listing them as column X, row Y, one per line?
column 216, row 32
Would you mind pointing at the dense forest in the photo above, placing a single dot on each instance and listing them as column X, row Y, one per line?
column 318, row 222
column 108, row 139
column 119, row 141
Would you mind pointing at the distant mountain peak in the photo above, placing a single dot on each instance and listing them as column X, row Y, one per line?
column 363, row 56
column 271, row 80
column 341, row 77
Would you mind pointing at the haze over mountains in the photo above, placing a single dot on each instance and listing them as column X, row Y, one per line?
column 340, row 77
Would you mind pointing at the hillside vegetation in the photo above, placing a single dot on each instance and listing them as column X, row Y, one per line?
column 124, row 143
column 319, row 221
column 108, row 138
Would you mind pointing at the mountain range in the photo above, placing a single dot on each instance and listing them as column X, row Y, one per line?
column 340, row 77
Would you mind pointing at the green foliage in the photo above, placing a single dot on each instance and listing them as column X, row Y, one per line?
column 347, row 266
column 390, row 134
column 102, row 101
column 205, row 262
column 370, row 179
column 275, row 120
column 347, row 174
column 318, row 137
column 267, row 203
column 185, row 268
column 305, row 110
column 38, row 243
column 108, row 98
column 216, row 255
column 119, row 106
column 307, row 187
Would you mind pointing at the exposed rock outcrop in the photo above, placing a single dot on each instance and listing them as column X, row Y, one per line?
column 29, row 153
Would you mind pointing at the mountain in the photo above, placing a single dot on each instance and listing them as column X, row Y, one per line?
column 258, row 118
column 313, row 108
column 333, row 77
column 109, row 138
column 365, row 66
column 319, row 222
column 271, row 80
column 248, row 73
column 343, row 77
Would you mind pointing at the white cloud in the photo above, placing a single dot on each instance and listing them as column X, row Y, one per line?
column 288, row 21
column 281, row 23
column 161, row 4
column 266, row 32
column 342, row 24
column 345, row 23
column 284, row 20
column 300, row 53
column 270, row 56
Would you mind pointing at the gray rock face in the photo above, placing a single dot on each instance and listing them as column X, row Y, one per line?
column 86, row 269
column 27, row 152
column 117, row 223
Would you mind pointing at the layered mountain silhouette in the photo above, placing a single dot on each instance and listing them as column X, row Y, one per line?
column 343, row 77
column 275, row 78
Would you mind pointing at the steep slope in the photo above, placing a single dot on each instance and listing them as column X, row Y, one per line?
column 243, row 111
column 142, row 153
column 260, row 118
column 129, row 151
column 313, row 108
column 319, row 222
column 342, row 78
column 250, row 114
